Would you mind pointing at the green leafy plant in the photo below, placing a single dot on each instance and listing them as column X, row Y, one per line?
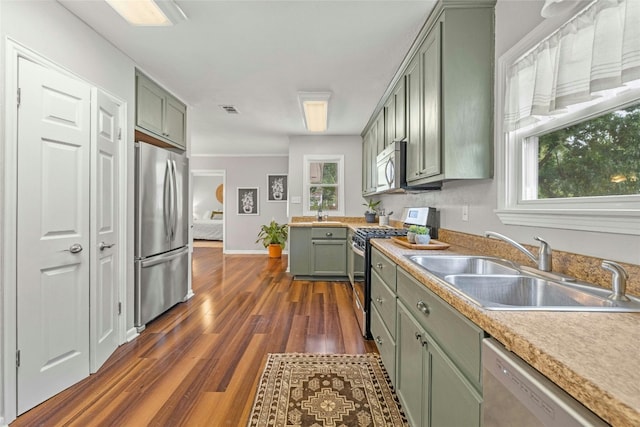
column 273, row 234
column 372, row 205
column 419, row 230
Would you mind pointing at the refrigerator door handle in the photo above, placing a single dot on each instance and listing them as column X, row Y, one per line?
column 174, row 208
column 159, row 259
column 166, row 203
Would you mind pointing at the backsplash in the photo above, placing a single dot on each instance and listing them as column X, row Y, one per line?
column 581, row 267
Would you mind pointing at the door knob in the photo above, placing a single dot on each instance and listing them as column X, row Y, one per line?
column 74, row 249
column 102, row 246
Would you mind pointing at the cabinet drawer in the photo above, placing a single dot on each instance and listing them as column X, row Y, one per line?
column 384, row 300
column 457, row 336
column 385, row 343
column 384, row 267
column 328, row 233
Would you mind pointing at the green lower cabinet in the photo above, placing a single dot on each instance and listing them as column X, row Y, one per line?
column 300, row 251
column 412, row 369
column 385, row 343
column 454, row 402
column 329, row 257
column 431, row 389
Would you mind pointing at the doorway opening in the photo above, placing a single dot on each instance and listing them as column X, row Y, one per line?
column 208, row 203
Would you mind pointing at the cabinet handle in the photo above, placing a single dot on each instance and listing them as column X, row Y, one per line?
column 379, row 340
column 379, row 265
column 424, row 308
column 379, row 300
column 418, row 336
column 329, row 234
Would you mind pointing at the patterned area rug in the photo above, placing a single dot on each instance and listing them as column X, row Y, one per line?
column 325, row 390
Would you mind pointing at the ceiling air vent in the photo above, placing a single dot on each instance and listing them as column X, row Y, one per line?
column 229, row 109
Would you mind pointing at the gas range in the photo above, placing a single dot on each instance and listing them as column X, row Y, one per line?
column 363, row 234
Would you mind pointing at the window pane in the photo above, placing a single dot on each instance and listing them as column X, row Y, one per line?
column 323, row 173
column 327, row 197
column 598, row 157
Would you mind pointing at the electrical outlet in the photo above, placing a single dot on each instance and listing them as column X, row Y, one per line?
column 465, row 212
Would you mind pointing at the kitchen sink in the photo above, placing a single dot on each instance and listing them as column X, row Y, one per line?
column 498, row 284
column 442, row 265
column 518, row 292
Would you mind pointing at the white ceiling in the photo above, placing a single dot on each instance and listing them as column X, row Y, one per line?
column 256, row 55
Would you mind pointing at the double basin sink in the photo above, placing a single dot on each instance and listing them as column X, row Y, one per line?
column 498, row 284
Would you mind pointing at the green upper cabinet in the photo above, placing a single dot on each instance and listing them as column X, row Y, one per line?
column 369, row 153
column 158, row 113
column 394, row 114
column 380, row 135
column 447, row 82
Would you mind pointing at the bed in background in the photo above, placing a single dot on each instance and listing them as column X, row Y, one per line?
column 208, row 228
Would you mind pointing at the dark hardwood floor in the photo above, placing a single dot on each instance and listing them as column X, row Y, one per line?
column 199, row 363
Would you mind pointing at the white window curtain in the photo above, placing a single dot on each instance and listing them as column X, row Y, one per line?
column 596, row 51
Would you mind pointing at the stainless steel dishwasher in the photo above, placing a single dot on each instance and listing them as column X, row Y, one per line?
column 515, row 394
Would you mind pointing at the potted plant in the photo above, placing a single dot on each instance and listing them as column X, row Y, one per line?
column 274, row 237
column 411, row 234
column 370, row 214
column 422, row 235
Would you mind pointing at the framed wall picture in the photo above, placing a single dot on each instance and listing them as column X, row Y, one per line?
column 248, row 201
column 277, row 188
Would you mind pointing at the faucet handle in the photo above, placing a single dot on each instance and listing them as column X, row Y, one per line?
column 618, row 280
column 545, row 262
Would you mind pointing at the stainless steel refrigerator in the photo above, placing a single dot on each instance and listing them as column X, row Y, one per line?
column 161, row 247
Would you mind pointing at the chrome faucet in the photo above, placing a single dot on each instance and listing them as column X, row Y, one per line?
column 543, row 260
column 618, row 280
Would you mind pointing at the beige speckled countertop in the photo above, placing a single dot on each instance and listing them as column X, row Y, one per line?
column 595, row 357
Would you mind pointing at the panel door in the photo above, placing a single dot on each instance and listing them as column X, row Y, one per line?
column 430, row 161
column 380, row 135
column 300, row 252
column 175, row 121
column 400, row 101
column 150, row 106
column 411, row 385
column 448, row 385
column 105, row 245
column 53, row 229
column 329, row 257
column 413, row 125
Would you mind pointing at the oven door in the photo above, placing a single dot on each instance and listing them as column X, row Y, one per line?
column 355, row 264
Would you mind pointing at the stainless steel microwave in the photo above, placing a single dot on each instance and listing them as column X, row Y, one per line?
column 390, row 166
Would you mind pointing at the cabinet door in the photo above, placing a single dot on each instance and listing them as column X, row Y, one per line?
column 413, row 125
column 412, row 369
column 385, row 344
column 150, row 106
column 175, row 121
column 329, row 257
column 380, row 135
column 390, row 120
column 429, row 156
column 300, row 251
column 449, row 386
column 400, row 107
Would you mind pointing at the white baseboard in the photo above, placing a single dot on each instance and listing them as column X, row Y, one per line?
column 132, row 334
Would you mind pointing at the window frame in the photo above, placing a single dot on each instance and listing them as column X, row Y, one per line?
column 611, row 214
column 315, row 158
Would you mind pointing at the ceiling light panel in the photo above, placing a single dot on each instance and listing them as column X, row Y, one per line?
column 148, row 12
column 315, row 110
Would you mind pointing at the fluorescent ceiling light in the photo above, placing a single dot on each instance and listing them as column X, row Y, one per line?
column 315, row 110
column 148, row 12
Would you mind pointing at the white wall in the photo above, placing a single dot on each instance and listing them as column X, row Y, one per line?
column 48, row 29
column 514, row 19
column 349, row 146
column 204, row 194
column 241, row 230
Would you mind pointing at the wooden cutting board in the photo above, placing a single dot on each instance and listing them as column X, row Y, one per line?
column 433, row 244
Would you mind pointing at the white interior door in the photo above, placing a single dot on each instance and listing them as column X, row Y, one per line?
column 53, row 233
column 105, row 245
